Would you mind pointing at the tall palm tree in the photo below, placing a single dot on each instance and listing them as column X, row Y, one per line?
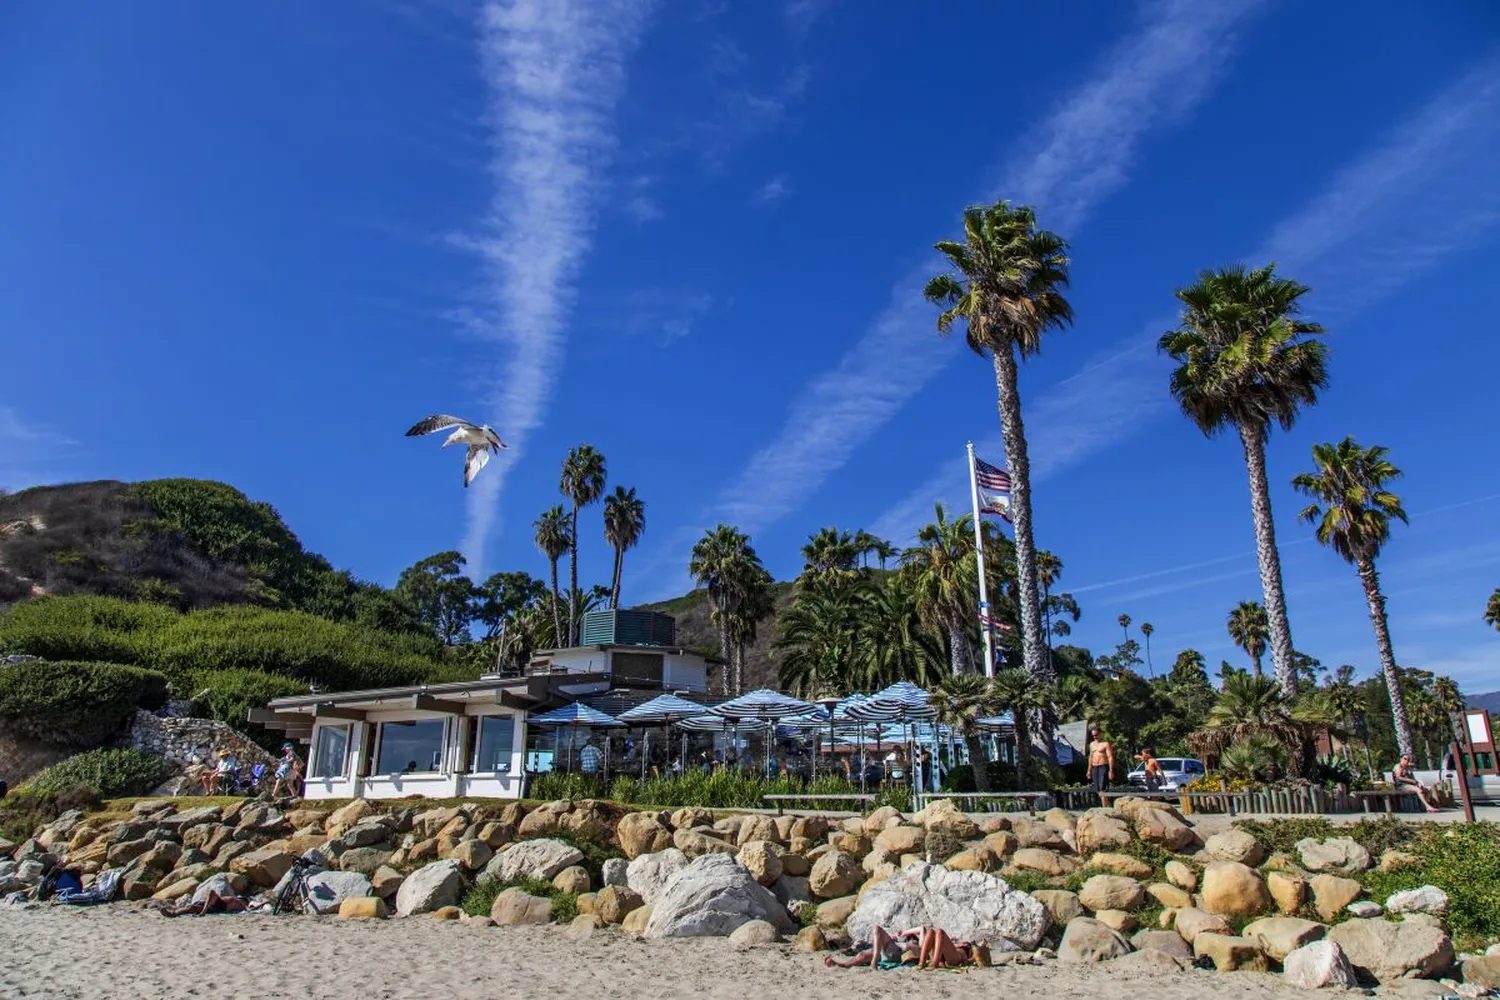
column 1492, row 610
column 960, row 701
column 816, row 637
column 1353, row 508
column 755, row 604
column 1005, row 283
column 941, row 573
column 1250, row 630
column 582, row 482
column 624, row 522
column 725, row 565
column 830, row 557
column 1245, row 360
column 1146, row 630
column 1125, row 624
column 554, row 536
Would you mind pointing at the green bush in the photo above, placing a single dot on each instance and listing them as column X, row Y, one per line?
column 1375, row 835
column 229, row 695
column 23, row 810
column 75, row 704
column 90, row 629
column 480, row 897
column 1463, row 860
column 108, row 773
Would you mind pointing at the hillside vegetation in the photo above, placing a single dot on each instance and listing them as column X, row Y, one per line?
column 697, row 632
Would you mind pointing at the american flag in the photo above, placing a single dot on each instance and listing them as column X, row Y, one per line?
column 993, row 486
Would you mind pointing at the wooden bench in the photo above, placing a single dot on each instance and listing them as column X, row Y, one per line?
column 1030, row 798
column 781, row 800
column 1392, row 797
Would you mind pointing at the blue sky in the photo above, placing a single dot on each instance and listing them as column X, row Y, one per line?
column 691, row 233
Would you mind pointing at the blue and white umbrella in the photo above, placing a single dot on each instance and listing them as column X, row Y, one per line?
column 766, row 705
column 663, row 710
column 903, row 701
column 575, row 714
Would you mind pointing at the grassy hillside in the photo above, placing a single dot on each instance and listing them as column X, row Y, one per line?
column 695, row 631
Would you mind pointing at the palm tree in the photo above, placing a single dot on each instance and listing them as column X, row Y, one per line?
column 726, row 567
column 756, row 602
column 1146, row 631
column 1125, row 624
column 1246, row 707
column 554, row 536
column 1015, row 692
column 624, row 522
column 830, row 557
column 941, row 573
column 960, row 701
column 816, row 639
column 1005, row 284
column 582, row 482
column 1353, row 508
column 891, row 642
column 1250, row 630
column 1245, row 361
column 1492, row 610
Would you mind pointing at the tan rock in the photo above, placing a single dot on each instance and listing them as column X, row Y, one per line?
column 1036, row 833
column 422, row 851
column 1234, row 889
column 1169, row 895
column 1118, row 920
column 1191, row 921
column 1102, row 830
column 1278, row 937
column 999, row 846
column 1289, row 891
column 994, row 824
column 514, row 907
column 758, row 828
column 446, row 913
column 1164, row 827
column 1111, row 892
column 1331, row 893
column 1088, row 940
column 574, row 879
column 1045, row 862
column 1482, row 971
column 1061, row 904
column 687, row 819
column 849, row 843
column 834, row 912
column 881, row 818
column 263, row 866
column 1182, row 876
column 1119, row 864
column 1230, row 953
column 473, row 854
column 897, row 840
column 585, row 901
column 386, row 882
column 695, row 843
column 635, row 921
column 1061, row 819
column 834, row 875
column 176, row 890
column 943, row 815
column 615, row 902
column 763, row 860
column 1390, row 950
column 966, row 861
column 1394, row 860
column 810, row 939
column 814, row 827
column 642, row 833
column 795, row 864
column 363, row 907
column 1234, row 845
column 346, row 816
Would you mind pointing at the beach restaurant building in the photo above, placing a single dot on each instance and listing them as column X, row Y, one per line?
column 469, row 738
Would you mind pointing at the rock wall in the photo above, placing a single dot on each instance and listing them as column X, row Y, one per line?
column 185, row 741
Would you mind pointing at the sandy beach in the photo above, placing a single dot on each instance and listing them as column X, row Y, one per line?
column 103, row 954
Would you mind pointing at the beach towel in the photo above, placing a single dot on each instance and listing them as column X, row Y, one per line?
column 106, row 884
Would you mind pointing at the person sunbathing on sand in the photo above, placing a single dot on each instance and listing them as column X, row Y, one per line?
column 924, row 947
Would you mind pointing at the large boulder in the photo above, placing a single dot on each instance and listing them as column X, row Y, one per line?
column 649, row 874
column 1061, row 904
column 1424, row 899
column 763, row 860
column 514, row 907
column 1164, row 827
column 1316, row 965
column 1336, row 854
column 1278, row 937
column 1388, row 950
column 430, row 887
column 756, row 827
column 1483, row 971
column 1167, row 942
column 1182, row 876
column 1191, row 921
column 1331, row 894
column 835, row 874
column 1043, row 861
column 1234, row 845
column 1229, row 953
column 1038, row 833
column 1102, row 830
column 326, row 891
column 1233, row 889
column 942, row 814
column 1169, row 895
column 1088, row 940
column 365, row 859
column 894, row 841
column 614, row 903
column 1112, row 892
column 695, row 843
column 712, row 897
column 1120, row 864
column 642, row 833
column 970, row 906
column 533, row 859
column 263, row 866
column 1289, row 891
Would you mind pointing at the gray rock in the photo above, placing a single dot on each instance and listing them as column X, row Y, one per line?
column 326, row 890
column 532, row 859
column 1088, row 940
column 1336, row 854
column 430, row 887
column 1314, row 966
column 1364, row 908
column 1168, row 942
column 650, row 874
column 364, row 859
column 1388, row 950
column 614, row 872
column 1425, row 899
column 712, row 897
column 969, row 906
column 791, row 889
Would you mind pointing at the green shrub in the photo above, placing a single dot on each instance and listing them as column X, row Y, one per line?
column 594, row 852
column 480, row 897
column 228, row 695
column 1374, row 835
column 564, row 907
column 1028, row 881
column 108, row 773
column 721, row 790
column 1463, row 860
column 75, row 704
column 23, row 810
column 93, row 629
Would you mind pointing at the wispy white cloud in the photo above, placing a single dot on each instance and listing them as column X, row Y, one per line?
column 639, row 205
column 28, row 451
column 1076, row 156
column 744, row 111
column 801, row 15
column 774, row 190
column 554, row 70
column 1351, row 242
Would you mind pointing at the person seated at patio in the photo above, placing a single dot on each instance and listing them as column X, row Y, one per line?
column 590, row 757
column 1405, row 779
column 224, row 773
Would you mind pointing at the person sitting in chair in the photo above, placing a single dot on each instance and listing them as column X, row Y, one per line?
column 1405, row 778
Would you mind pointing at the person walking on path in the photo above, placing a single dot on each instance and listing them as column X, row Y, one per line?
column 1101, row 763
column 288, row 771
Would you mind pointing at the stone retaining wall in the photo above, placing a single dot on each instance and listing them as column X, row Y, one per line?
column 185, row 741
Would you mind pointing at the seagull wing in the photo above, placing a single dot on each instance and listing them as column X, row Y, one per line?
column 436, row 422
column 478, row 457
column 494, row 439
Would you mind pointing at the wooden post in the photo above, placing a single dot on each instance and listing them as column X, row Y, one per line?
column 1463, row 782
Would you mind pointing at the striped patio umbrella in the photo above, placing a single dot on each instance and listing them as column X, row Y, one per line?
column 903, row 701
column 575, row 714
column 765, row 706
column 663, row 710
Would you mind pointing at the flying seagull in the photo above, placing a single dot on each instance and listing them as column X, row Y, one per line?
column 481, row 439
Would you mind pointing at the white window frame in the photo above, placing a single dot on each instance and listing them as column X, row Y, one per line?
column 444, row 767
column 316, row 752
column 478, row 722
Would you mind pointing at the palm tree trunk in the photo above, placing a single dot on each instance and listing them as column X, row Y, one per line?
column 1020, row 719
column 573, row 583
column 556, row 614
column 1376, row 600
column 728, row 660
column 1270, row 559
column 1033, row 651
column 614, row 591
column 1257, row 664
column 977, row 762
column 957, row 658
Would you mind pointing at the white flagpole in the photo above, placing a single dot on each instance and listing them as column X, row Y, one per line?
column 984, row 593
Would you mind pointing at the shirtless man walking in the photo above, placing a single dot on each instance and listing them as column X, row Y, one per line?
column 1101, row 763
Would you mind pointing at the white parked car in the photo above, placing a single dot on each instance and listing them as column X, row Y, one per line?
column 1176, row 772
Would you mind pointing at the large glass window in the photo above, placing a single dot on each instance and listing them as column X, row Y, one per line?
column 410, row 747
column 496, row 742
column 331, row 753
